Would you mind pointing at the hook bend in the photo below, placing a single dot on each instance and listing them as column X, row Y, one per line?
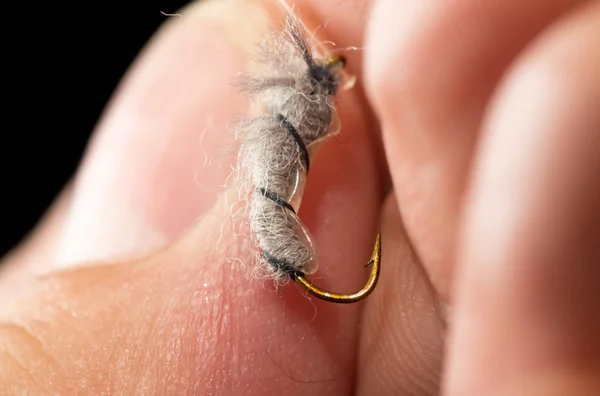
column 353, row 297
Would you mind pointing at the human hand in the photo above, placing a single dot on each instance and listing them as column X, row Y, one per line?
column 135, row 283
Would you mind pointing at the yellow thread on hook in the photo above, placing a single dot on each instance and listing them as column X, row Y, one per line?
column 353, row 297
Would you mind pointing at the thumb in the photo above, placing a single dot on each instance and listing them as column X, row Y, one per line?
column 186, row 319
column 159, row 155
column 149, row 171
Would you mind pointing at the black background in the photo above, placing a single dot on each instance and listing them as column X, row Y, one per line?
column 62, row 62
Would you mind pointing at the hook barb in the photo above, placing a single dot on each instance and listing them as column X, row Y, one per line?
column 353, row 297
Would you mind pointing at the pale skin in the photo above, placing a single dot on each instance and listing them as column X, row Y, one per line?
column 484, row 114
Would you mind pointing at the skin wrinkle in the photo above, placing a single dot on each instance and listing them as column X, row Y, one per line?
column 420, row 358
column 406, row 301
column 296, row 93
column 133, row 343
column 29, row 345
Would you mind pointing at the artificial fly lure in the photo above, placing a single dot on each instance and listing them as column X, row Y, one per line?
column 297, row 95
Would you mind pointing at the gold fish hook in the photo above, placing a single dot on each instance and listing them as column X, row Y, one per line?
column 353, row 297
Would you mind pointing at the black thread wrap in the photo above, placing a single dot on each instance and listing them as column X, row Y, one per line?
column 282, row 265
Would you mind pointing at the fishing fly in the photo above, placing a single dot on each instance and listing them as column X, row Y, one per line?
column 297, row 98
